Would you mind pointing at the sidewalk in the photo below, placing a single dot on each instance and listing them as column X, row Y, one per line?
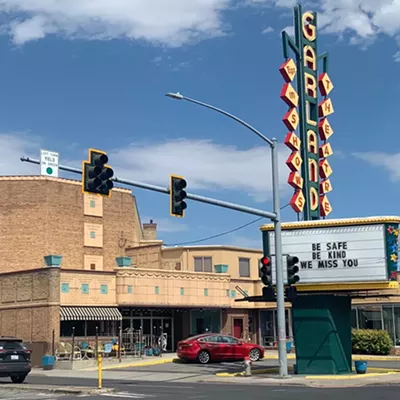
column 273, row 355
column 108, row 365
column 326, row 381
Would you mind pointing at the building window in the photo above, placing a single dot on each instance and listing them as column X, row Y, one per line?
column 228, row 293
column 233, row 294
column 92, row 235
column 85, row 288
column 182, row 291
column 103, row 289
column 92, row 203
column 92, row 267
column 203, row 264
column 205, row 292
column 130, row 289
column 157, row 290
column 65, row 288
column 244, row 267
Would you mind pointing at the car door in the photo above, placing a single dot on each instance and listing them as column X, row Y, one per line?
column 212, row 344
column 227, row 347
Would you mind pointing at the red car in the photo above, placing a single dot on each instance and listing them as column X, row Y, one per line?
column 217, row 347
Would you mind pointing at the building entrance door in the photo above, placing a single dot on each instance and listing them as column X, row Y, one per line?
column 238, row 328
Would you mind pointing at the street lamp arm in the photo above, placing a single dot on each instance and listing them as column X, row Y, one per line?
column 237, row 119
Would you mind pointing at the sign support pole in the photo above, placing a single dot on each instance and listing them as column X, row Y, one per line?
column 280, row 287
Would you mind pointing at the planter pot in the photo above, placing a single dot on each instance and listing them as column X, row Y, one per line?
column 288, row 347
column 52, row 260
column 221, row 268
column 361, row 366
column 156, row 352
column 48, row 362
column 149, row 352
column 124, row 261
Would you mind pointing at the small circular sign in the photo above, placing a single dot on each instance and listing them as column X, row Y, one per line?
column 49, row 170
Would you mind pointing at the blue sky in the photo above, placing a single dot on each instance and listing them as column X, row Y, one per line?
column 78, row 74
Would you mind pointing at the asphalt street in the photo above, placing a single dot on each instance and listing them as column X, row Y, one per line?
column 142, row 390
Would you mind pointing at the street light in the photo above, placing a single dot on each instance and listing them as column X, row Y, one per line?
column 280, row 295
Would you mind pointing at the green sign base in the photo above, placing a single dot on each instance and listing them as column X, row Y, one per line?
column 322, row 334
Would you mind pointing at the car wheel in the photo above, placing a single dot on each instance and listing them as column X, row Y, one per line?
column 254, row 355
column 204, row 357
column 18, row 378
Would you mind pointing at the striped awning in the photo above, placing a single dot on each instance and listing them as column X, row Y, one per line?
column 90, row 314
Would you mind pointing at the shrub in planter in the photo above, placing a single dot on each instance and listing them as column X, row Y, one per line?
column 371, row 341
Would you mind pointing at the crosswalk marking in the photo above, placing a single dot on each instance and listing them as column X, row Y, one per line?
column 127, row 395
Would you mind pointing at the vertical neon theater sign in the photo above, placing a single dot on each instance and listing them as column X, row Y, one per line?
column 308, row 162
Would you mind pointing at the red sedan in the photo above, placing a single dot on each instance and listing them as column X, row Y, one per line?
column 216, row 347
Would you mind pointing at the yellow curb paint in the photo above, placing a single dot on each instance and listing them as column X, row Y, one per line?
column 354, row 357
column 346, row 377
column 132, row 365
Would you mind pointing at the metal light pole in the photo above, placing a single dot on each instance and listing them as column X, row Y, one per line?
column 280, row 297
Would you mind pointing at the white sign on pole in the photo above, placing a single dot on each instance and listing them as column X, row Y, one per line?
column 330, row 255
column 49, row 163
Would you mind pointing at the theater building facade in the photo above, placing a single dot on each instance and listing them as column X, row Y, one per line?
column 71, row 262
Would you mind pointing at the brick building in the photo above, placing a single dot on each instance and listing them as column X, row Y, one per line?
column 113, row 270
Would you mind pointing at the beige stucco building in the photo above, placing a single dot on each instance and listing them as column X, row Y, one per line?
column 105, row 269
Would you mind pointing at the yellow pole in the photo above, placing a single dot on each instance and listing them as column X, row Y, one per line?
column 100, row 371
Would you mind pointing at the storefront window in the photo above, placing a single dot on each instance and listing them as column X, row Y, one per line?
column 388, row 322
column 370, row 317
column 354, row 323
column 396, row 312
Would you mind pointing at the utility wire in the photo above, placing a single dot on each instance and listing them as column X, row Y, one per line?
column 221, row 234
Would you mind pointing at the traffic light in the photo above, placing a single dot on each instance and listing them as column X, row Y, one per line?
column 96, row 175
column 268, row 293
column 292, row 270
column 177, row 194
column 266, row 271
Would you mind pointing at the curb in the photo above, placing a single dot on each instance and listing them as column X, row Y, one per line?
column 347, row 377
column 56, row 389
column 355, row 357
column 132, row 365
column 378, row 372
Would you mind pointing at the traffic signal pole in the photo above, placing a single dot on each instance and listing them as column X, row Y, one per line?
column 160, row 189
column 280, row 286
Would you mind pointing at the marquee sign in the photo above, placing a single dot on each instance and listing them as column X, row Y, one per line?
column 310, row 170
column 339, row 254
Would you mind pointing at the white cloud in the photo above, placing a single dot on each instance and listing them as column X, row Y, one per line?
column 390, row 162
column 396, row 56
column 170, row 23
column 166, row 225
column 205, row 165
column 177, row 22
column 269, row 29
column 12, row 147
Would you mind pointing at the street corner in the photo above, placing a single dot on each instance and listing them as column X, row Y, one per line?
column 137, row 364
column 260, row 371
